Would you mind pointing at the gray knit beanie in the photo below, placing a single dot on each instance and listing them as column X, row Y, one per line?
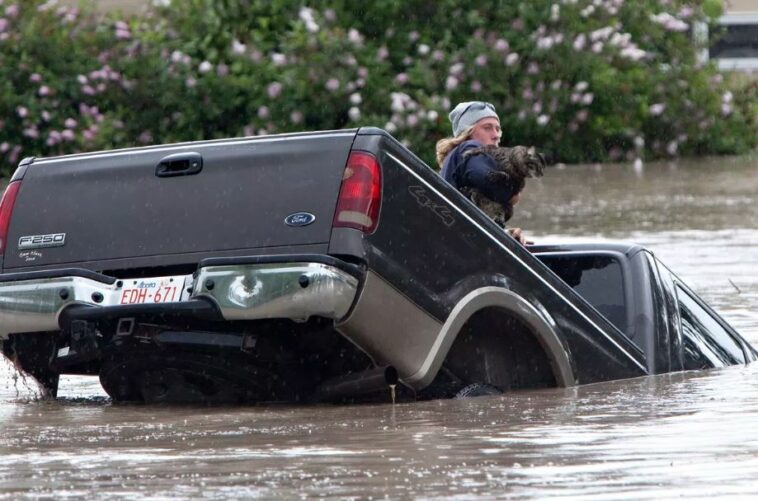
column 466, row 114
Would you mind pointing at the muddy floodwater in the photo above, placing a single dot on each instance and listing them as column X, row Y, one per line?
column 687, row 435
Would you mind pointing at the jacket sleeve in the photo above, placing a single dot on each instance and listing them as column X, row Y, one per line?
column 474, row 175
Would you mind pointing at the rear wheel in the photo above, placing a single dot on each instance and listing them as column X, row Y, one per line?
column 478, row 390
column 493, row 353
column 31, row 353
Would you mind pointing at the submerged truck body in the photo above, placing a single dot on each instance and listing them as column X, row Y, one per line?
column 311, row 267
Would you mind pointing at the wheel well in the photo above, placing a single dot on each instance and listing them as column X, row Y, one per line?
column 496, row 347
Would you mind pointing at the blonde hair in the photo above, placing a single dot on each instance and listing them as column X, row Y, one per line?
column 446, row 145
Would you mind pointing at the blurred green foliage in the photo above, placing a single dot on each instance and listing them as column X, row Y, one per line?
column 584, row 80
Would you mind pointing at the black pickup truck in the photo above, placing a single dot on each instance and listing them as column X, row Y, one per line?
column 316, row 267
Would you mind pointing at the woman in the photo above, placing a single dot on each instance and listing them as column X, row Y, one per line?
column 475, row 125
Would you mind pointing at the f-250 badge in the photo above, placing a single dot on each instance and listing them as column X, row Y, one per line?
column 41, row 241
column 443, row 211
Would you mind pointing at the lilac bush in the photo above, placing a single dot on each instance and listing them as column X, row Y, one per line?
column 585, row 80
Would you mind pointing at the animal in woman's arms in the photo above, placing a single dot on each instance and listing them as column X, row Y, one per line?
column 511, row 168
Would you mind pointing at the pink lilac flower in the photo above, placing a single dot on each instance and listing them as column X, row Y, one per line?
column 11, row 11
column 248, row 130
column 588, row 98
column 3, row 24
column 22, row 111
column 390, row 127
column 274, row 89
column 222, row 70
column 413, row 36
column 35, row 78
column 511, row 59
column 581, row 86
column 382, row 53
column 555, row 12
column 44, row 91
column 657, row 109
column 401, row 78
column 597, row 47
column 438, row 55
column 306, row 16
column 545, row 42
column 432, row 115
column 296, row 117
column 70, row 123
column 278, row 59
column 580, row 42
column 456, row 69
column 31, row 132
column 205, row 67
column 363, row 72
column 238, row 47
column 330, row 15
column 501, row 45
column 123, row 34
column 145, row 138
column 4, row 147
column 332, row 84
column 355, row 98
column 581, row 116
column 527, row 94
column 633, row 53
column 481, row 60
column 354, row 36
column 726, row 109
column 412, row 121
column 533, row 69
column 190, row 82
column 15, row 152
column 537, row 108
column 451, row 83
column 263, row 112
column 476, row 86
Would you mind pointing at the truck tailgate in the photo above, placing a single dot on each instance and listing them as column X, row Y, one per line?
column 114, row 205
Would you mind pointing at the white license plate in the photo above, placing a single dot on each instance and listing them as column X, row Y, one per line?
column 153, row 290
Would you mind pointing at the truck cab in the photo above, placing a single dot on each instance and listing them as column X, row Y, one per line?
column 642, row 298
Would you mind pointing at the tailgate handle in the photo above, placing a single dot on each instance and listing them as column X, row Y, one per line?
column 179, row 164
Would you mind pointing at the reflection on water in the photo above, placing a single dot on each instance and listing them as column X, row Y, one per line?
column 687, row 435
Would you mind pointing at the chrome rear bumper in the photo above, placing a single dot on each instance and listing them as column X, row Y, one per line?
column 293, row 290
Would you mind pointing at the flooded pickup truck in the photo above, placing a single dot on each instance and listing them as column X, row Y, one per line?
column 316, row 267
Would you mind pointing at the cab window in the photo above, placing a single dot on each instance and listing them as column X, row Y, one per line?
column 598, row 279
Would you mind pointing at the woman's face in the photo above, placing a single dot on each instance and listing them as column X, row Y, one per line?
column 487, row 131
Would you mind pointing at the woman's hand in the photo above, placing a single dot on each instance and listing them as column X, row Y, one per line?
column 518, row 235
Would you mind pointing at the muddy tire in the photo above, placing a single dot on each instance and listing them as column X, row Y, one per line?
column 31, row 354
column 478, row 390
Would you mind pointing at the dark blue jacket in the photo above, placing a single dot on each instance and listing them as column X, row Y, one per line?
column 472, row 172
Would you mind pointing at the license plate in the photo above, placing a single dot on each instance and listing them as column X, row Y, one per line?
column 153, row 290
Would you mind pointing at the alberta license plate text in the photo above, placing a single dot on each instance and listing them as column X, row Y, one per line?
column 152, row 290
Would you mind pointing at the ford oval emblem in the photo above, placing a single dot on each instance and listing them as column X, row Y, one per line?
column 299, row 219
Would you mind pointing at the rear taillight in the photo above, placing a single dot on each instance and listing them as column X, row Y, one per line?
column 360, row 194
column 6, row 210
